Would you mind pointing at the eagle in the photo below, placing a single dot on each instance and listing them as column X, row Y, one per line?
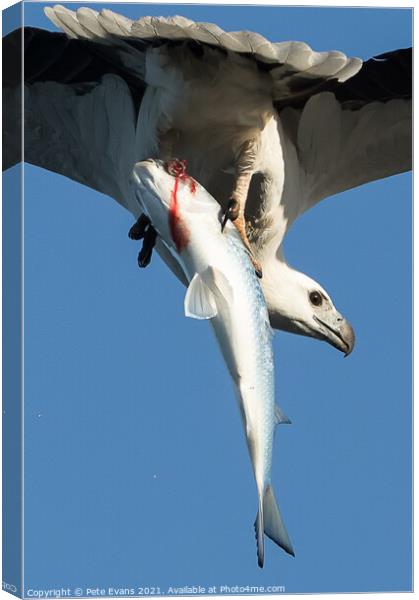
column 269, row 129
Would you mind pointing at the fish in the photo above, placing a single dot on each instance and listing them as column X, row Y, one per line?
column 225, row 290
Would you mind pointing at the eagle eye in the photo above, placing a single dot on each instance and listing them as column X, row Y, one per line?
column 315, row 298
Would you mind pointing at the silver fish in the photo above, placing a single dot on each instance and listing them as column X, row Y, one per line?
column 223, row 288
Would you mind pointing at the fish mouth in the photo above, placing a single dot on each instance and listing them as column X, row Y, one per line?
column 341, row 337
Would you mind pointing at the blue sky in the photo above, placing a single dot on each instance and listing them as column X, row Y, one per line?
column 136, row 467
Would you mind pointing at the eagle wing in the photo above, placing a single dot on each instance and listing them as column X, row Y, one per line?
column 352, row 132
column 83, row 88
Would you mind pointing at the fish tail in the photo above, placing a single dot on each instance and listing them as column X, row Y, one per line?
column 269, row 521
column 259, row 527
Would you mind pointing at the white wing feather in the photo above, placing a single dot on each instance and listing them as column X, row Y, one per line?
column 339, row 149
column 90, row 137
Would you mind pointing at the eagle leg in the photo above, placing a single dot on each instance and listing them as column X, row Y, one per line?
column 146, row 252
column 245, row 167
column 139, row 228
column 240, row 224
column 143, row 230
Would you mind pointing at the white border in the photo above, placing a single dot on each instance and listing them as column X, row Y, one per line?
column 408, row 4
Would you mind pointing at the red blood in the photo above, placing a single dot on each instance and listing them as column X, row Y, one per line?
column 177, row 168
column 192, row 185
column 178, row 229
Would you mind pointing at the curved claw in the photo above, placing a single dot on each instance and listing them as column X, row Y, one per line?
column 146, row 252
column 258, row 269
column 138, row 230
column 231, row 213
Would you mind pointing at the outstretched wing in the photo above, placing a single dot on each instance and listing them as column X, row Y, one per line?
column 353, row 132
column 80, row 109
column 83, row 88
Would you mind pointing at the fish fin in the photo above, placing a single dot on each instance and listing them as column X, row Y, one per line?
column 270, row 329
column 218, row 283
column 199, row 300
column 267, row 330
column 273, row 524
column 259, row 536
column 280, row 417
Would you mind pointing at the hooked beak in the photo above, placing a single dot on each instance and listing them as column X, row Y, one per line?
column 338, row 332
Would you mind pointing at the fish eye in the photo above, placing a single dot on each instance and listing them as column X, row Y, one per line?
column 315, row 298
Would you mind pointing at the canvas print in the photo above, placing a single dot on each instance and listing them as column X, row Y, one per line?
column 206, row 208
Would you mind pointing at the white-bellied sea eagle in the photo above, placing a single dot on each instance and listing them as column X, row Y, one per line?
column 270, row 129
